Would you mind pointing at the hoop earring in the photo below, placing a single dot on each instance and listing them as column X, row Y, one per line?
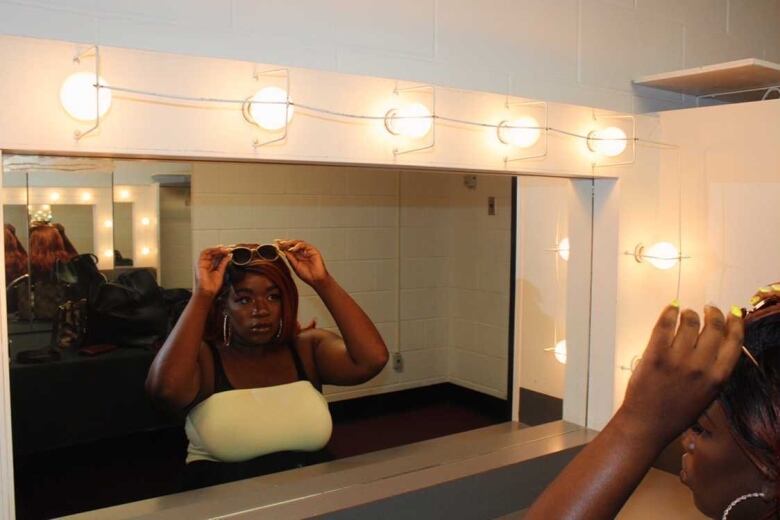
column 279, row 332
column 226, row 330
column 738, row 500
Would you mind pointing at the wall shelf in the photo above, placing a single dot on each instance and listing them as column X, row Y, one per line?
column 734, row 81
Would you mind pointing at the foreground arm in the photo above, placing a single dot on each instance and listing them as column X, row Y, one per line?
column 678, row 377
column 360, row 353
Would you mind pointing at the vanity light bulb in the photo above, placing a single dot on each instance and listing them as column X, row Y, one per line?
column 564, row 249
column 523, row 132
column 54, row 196
column 609, row 142
column 78, row 96
column 108, row 253
column 413, row 121
column 662, row 255
column 560, row 351
column 86, row 196
column 125, row 194
column 108, row 223
column 145, row 251
column 269, row 108
column 145, row 221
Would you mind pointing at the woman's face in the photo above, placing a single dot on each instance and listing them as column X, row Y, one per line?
column 715, row 467
column 254, row 307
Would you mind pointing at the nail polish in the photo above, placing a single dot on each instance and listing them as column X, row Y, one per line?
column 764, row 290
column 675, row 303
column 754, row 300
column 736, row 311
column 776, row 286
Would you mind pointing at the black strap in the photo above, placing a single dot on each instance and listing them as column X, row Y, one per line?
column 302, row 375
column 221, row 381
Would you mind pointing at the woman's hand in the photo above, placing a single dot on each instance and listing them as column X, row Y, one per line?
column 682, row 369
column 305, row 260
column 211, row 266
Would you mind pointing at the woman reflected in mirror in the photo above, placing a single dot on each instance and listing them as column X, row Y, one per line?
column 245, row 374
column 720, row 384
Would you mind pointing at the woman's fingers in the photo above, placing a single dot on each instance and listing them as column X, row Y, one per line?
column 731, row 348
column 663, row 332
column 687, row 332
column 712, row 335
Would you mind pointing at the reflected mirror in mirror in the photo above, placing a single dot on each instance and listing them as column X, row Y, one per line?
column 427, row 255
column 17, row 259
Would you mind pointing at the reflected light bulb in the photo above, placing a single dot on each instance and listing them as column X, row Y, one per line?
column 517, row 135
column 564, row 249
column 108, row 223
column 108, row 253
column 54, row 196
column 145, row 221
column 608, row 142
column 268, row 108
column 124, row 194
column 560, row 351
column 78, row 93
column 86, row 196
column 662, row 255
column 145, row 251
column 413, row 121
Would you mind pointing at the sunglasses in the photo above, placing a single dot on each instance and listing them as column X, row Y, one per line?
column 242, row 255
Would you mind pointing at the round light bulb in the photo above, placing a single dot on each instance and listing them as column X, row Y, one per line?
column 86, row 196
column 145, row 221
column 125, row 194
column 77, row 96
column 54, row 196
column 609, row 142
column 145, row 251
column 413, row 121
column 564, row 249
column 560, row 351
column 108, row 253
column 108, row 223
column 523, row 132
column 662, row 255
column 269, row 109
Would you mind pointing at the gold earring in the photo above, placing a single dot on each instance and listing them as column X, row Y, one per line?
column 226, row 332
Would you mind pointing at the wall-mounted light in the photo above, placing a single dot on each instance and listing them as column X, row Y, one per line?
column 145, row 251
column 86, row 196
column 80, row 97
column 269, row 108
column 559, row 351
column 54, row 196
column 108, row 223
column 662, row 255
column 413, row 120
column 124, row 194
column 145, row 221
column 564, row 249
column 609, row 142
column 523, row 132
column 108, row 253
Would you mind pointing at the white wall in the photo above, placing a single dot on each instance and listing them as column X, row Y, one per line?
column 727, row 171
column 572, row 51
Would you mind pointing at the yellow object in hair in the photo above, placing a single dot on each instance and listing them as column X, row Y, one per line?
column 239, row 425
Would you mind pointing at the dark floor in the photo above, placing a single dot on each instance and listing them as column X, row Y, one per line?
column 146, row 465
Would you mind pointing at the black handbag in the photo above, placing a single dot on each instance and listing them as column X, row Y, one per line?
column 79, row 276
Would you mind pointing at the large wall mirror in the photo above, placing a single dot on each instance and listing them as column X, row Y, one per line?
column 477, row 284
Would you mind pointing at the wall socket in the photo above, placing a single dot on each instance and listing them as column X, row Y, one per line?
column 398, row 362
column 491, row 205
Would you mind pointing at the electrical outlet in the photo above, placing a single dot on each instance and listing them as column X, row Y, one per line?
column 491, row 205
column 398, row 362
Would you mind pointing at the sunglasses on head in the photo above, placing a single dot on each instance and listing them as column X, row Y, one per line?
column 243, row 255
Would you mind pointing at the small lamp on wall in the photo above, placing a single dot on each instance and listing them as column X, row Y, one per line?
column 559, row 351
column 413, row 120
column 269, row 108
column 661, row 255
column 81, row 97
column 523, row 132
column 608, row 142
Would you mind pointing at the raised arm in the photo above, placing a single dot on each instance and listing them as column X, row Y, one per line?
column 174, row 378
column 678, row 377
column 360, row 353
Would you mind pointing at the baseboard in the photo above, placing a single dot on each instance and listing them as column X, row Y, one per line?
column 538, row 408
column 369, row 406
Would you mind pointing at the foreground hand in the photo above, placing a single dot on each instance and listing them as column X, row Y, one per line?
column 682, row 369
column 305, row 260
column 210, row 273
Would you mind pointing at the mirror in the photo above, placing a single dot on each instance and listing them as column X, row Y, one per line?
column 429, row 256
column 17, row 260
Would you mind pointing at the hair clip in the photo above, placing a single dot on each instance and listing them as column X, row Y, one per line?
column 750, row 356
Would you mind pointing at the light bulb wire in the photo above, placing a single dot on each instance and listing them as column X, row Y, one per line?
column 368, row 117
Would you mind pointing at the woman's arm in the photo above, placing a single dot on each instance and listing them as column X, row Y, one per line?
column 678, row 377
column 174, row 376
column 362, row 353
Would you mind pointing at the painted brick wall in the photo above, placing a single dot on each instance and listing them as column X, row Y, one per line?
column 574, row 51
